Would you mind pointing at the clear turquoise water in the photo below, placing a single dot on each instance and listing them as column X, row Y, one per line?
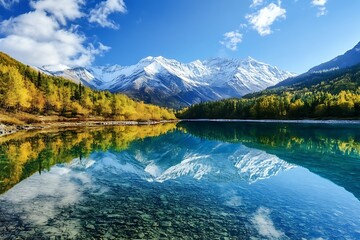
column 202, row 180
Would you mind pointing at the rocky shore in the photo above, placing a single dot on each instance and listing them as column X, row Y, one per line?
column 6, row 130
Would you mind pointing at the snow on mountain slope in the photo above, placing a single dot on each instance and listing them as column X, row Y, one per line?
column 167, row 82
column 348, row 59
column 77, row 75
column 325, row 71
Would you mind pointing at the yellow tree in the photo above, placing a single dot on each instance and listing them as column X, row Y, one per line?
column 17, row 95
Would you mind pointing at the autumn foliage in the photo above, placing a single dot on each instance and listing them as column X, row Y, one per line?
column 26, row 90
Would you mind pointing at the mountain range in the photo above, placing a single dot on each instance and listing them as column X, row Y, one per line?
column 328, row 91
column 170, row 83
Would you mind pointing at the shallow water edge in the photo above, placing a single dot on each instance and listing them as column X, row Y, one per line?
column 302, row 121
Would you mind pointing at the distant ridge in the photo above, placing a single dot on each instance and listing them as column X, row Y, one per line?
column 348, row 59
column 336, row 67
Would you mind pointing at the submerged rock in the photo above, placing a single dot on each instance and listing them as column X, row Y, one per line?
column 166, row 224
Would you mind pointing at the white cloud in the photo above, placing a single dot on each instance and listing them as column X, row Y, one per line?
column 243, row 25
column 231, row 40
column 102, row 11
column 33, row 24
column 264, row 225
column 322, row 11
column 262, row 20
column 60, row 9
column 256, row 3
column 8, row 3
column 41, row 37
column 320, row 4
column 39, row 198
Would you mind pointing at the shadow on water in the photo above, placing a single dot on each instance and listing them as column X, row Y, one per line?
column 331, row 151
column 24, row 154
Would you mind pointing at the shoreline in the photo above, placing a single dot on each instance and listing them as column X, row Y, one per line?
column 299, row 121
column 11, row 129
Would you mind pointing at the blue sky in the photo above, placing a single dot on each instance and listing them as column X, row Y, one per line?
column 294, row 35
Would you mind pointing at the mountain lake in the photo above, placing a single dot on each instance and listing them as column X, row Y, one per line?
column 186, row 180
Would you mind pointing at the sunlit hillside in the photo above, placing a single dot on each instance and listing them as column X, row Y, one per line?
column 25, row 90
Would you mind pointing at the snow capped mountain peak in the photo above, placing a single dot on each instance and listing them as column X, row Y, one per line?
column 251, row 62
column 196, row 62
column 147, row 59
column 249, row 59
column 153, row 68
column 170, row 83
column 151, row 59
column 161, row 58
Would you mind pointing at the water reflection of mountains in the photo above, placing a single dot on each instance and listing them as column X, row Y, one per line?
column 184, row 156
column 156, row 158
column 331, row 151
column 24, row 154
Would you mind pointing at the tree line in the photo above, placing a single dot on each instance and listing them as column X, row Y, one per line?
column 345, row 104
column 27, row 90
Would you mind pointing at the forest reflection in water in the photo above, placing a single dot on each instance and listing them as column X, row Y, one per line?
column 329, row 150
column 27, row 153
